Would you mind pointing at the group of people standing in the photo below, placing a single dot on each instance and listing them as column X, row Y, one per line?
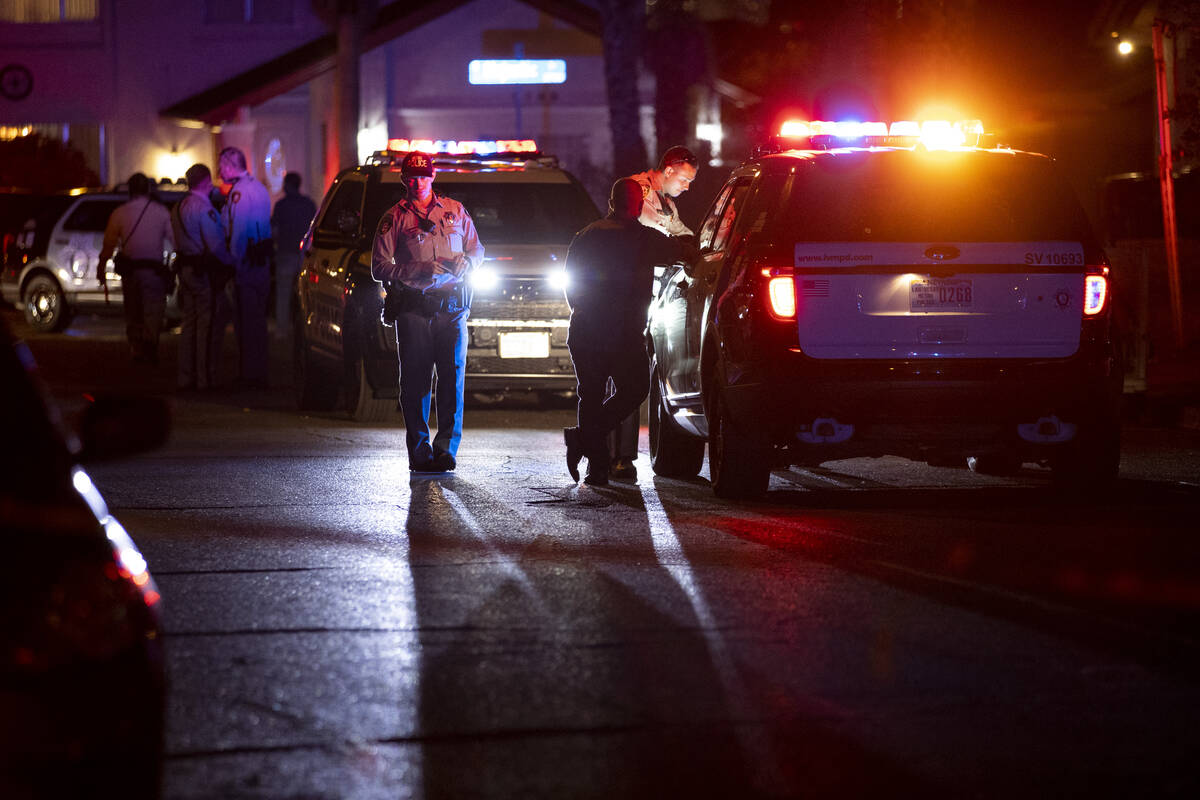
column 222, row 263
column 424, row 249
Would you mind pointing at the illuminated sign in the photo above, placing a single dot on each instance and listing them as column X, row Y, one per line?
column 517, row 70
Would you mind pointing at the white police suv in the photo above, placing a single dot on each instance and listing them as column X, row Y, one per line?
column 865, row 290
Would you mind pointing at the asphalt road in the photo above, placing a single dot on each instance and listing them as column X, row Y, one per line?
column 337, row 628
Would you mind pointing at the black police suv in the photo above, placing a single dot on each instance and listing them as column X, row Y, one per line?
column 869, row 298
column 526, row 210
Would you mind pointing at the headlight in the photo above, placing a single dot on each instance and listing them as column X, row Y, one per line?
column 484, row 279
column 79, row 264
column 558, row 279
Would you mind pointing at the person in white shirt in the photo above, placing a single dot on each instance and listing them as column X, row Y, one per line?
column 138, row 237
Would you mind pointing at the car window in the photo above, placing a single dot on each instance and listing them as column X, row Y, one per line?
column 967, row 197
column 91, row 215
column 709, row 228
column 730, row 213
column 508, row 213
column 347, row 199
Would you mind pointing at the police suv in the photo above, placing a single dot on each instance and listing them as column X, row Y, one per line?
column 526, row 209
column 865, row 290
column 51, row 244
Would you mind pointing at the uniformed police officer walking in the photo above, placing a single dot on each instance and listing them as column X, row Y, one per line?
column 425, row 246
column 610, row 269
column 247, row 219
column 139, row 232
column 202, row 259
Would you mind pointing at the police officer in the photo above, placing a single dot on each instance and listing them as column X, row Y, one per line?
column 141, row 231
column 424, row 247
column 676, row 171
column 201, row 259
column 247, row 219
column 289, row 222
column 610, row 268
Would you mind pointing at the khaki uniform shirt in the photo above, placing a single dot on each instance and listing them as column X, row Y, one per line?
column 144, row 237
column 658, row 210
column 199, row 229
column 419, row 259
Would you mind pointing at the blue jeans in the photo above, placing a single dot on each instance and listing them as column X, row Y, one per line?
column 425, row 344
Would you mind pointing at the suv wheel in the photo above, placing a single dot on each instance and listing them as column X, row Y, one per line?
column 315, row 389
column 45, row 306
column 673, row 453
column 738, row 468
column 360, row 397
column 1093, row 459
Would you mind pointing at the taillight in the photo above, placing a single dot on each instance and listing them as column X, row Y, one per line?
column 1095, row 293
column 781, row 292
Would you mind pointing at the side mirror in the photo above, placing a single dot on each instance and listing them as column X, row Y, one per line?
column 121, row 425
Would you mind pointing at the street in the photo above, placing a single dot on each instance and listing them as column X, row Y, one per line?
column 339, row 628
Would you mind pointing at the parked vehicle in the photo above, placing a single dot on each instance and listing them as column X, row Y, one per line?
column 526, row 209
column 871, row 294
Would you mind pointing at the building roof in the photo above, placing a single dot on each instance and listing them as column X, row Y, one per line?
column 301, row 65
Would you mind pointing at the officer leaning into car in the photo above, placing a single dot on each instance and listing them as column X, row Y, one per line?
column 247, row 219
column 610, row 269
column 425, row 246
column 139, row 233
column 202, row 259
column 676, row 171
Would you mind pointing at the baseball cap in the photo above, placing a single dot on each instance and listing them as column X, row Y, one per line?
column 417, row 163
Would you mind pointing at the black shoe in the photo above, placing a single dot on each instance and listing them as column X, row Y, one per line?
column 596, row 477
column 622, row 469
column 574, row 451
column 443, row 462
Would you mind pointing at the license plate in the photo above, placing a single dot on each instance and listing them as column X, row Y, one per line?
column 525, row 344
column 941, row 294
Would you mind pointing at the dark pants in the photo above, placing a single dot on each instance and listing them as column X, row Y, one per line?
column 252, row 285
column 195, row 332
column 144, row 294
column 425, row 344
column 629, row 369
column 623, row 442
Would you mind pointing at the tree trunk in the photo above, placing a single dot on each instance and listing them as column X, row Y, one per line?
column 623, row 23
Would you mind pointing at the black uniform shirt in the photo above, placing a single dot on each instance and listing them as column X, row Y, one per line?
column 610, row 270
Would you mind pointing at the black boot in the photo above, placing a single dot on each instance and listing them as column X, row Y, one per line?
column 574, row 451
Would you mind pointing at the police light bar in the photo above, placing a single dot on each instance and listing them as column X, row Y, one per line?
column 931, row 134
column 463, row 147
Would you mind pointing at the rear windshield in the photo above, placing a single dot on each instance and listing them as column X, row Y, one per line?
column 909, row 197
column 505, row 213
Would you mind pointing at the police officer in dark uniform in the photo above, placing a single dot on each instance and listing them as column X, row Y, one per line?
column 610, row 266
column 425, row 246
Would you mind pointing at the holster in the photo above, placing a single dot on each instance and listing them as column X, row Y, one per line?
column 400, row 299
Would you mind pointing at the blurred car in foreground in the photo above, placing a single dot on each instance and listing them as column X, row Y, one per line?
column 81, row 663
column 51, row 244
column 861, row 294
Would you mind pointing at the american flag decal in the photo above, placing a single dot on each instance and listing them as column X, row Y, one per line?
column 814, row 288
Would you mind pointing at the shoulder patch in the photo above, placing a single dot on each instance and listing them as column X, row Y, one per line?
column 386, row 225
column 645, row 190
column 235, row 197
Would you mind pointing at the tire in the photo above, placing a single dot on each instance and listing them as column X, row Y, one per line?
column 1092, row 460
column 361, row 402
column 316, row 390
column 45, row 306
column 673, row 452
column 738, row 468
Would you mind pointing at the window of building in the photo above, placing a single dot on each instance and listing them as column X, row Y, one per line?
column 49, row 10
column 236, row 12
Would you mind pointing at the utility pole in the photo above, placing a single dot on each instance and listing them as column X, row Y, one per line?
column 1164, row 29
